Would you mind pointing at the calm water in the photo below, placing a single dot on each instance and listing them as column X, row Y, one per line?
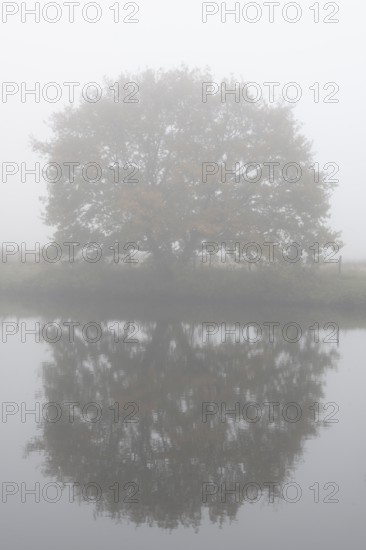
column 146, row 451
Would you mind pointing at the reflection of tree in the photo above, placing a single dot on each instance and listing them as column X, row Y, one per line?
column 170, row 451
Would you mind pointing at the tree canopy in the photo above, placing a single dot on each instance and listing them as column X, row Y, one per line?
column 162, row 139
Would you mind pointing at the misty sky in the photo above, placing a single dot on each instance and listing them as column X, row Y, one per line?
column 171, row 33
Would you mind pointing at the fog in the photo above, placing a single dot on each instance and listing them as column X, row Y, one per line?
column 182, row 274
column 167, row 35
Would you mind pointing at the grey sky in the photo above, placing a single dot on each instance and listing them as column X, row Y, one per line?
column 171, row 33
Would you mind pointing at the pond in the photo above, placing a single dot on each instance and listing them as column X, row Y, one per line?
column 178, row 426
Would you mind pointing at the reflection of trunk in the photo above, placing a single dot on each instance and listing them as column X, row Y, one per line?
column 156, row 350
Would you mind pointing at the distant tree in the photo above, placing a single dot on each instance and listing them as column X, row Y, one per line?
column 167, row 207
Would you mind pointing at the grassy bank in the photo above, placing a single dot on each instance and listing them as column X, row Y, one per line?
column 205, row 284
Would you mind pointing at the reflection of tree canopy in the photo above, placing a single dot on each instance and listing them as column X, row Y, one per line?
column 170, row 452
